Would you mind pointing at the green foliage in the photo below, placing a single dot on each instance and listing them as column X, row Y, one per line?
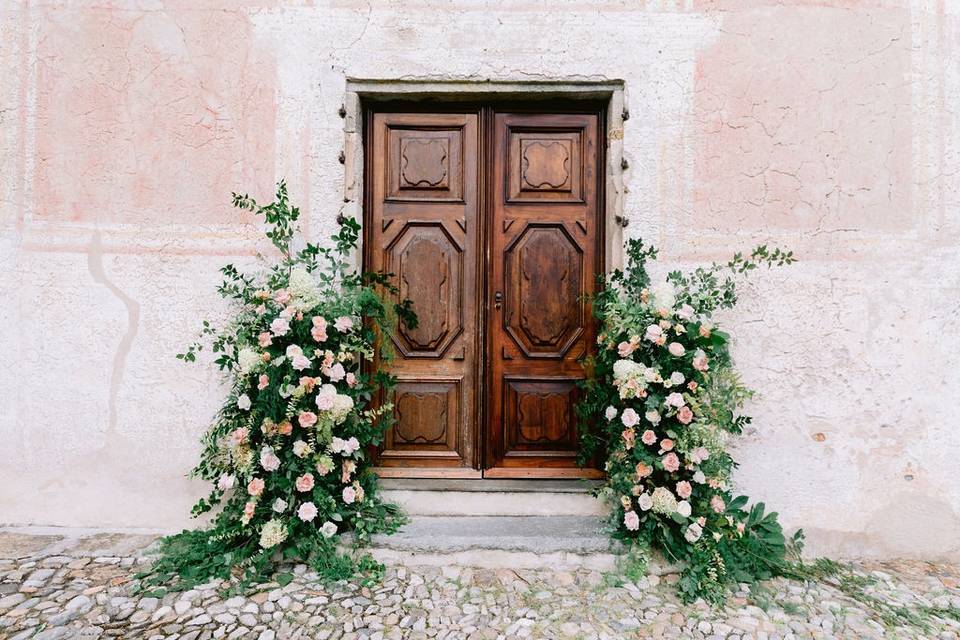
column 288, row 452
column 660, row 402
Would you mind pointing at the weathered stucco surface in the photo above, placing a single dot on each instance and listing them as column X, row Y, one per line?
column 828, row 126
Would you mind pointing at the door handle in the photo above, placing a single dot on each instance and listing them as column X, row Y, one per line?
column 498, row 300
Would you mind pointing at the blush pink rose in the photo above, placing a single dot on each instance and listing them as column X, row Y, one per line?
column 653, row 333
column 675, row 400
column 349, row 495
column 264, row 339
column 248, row 510
column 631, row 520
column 282, row 296
column 343, row 324
column 305, row 482
column 307, row 419
column 684, row 489
column 280, row 326
column 648, row 437
column 255, row 487
column 307, row 511
column 700, row 360
column 625, row 348
column 629, row 436
column 263, row 382
column 671, row 462
column 629, row 417
column 351, row 380
column 699, row 454
column 685, row 414
column 239, row 435
column 676, row 349
column 717, row 504
column 319, row 330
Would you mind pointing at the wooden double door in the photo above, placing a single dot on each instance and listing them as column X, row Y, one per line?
column 490, row 219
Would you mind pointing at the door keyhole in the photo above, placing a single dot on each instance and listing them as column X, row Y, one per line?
column 498, row 299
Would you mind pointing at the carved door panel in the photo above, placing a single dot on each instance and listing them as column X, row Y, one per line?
column 423, row 227
column 544, row 256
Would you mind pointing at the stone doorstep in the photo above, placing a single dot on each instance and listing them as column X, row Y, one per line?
column 441, row 497
column 507, row 542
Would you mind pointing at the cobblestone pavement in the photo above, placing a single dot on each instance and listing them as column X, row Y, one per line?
column 55, row 587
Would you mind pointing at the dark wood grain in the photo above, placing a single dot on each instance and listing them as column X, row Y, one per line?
column 544, row 256
column 490, row 220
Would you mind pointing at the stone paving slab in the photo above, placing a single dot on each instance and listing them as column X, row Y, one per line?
column 55, row 589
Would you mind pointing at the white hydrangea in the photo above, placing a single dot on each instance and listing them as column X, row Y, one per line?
column 273, row 533
column 665, row 296
column 626, row 369
column 248, row 360
column 303, row 288
column 342, row 406
column 664, row 501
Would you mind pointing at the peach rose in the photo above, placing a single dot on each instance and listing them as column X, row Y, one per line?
column 648, row 437
column 685, row 415
column 255, row 487
column 666, row 445
column 305, row 482
column 285, row 428
column 643, row 470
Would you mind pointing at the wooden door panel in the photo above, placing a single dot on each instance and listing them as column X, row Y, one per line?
column 544, row 256
column 423, row 227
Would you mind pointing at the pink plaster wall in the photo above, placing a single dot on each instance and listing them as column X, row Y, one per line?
column 830, row 127
column 148, row 117
column 802, row 120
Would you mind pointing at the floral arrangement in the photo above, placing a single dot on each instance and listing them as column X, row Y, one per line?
column 287, row 453
column 660, row 407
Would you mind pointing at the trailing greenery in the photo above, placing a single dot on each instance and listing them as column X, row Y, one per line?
column 288, row 451
column 660, row 403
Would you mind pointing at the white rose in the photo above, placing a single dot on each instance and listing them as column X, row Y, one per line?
column 645, row 502
column 279, row 505
column 610, row 413
column 300, row 448
column 677, row 378
column 226, row 482
column 684, row 508
column 652, row 417
column 693, row 533
column 328, row 529
column 243, row 402
column 699, row 477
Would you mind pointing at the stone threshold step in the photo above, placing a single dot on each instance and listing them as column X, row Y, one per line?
column 486, row 485
column 434, row 497
column 508, row 542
